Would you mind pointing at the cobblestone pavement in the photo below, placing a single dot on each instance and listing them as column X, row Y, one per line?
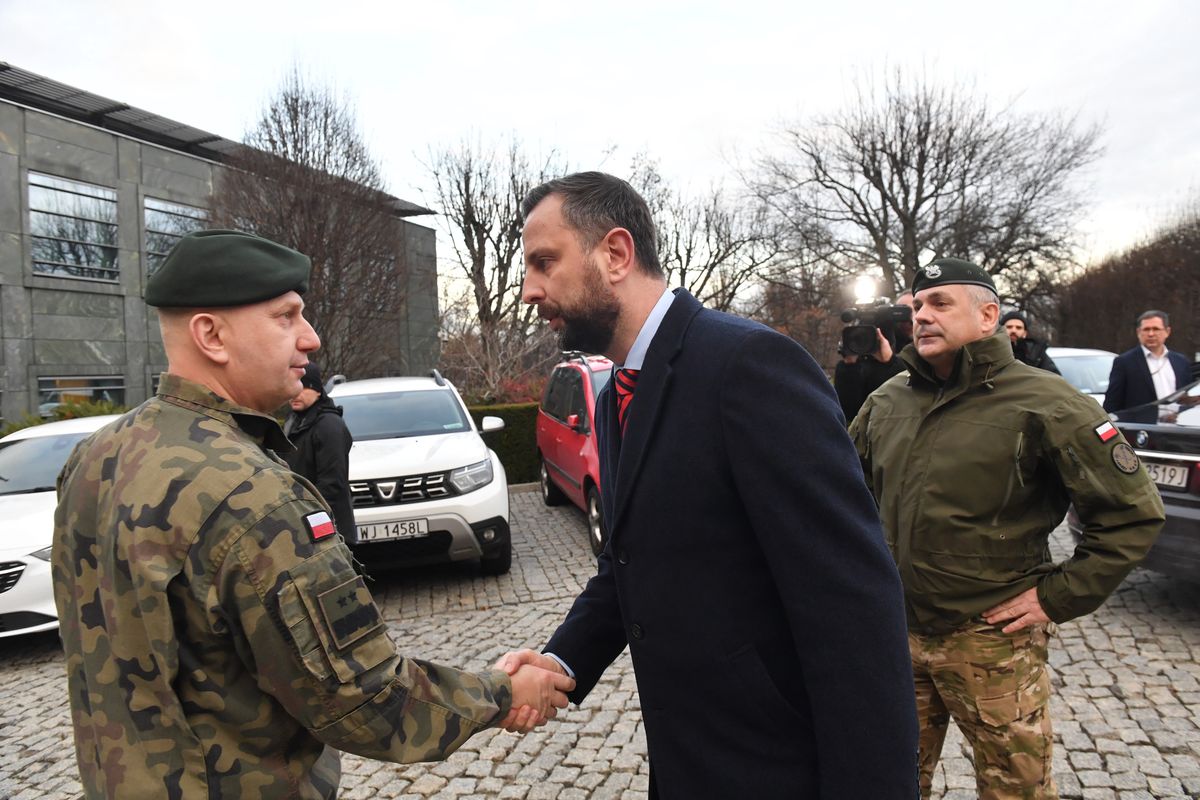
column 1126, row 682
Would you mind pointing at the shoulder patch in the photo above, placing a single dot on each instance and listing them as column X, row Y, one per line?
column 319, row 525
column 1106, row 431
column 350, row 612
column 1125, row 459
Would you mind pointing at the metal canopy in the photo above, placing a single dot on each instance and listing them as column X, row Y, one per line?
column 37, row 91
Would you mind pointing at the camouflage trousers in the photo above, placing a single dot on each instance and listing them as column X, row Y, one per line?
column 996, row 688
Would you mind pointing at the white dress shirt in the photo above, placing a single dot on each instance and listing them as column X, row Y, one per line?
column 1161, row 373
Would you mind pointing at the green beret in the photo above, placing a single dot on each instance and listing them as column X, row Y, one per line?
column 951, row 270
column 216, row 268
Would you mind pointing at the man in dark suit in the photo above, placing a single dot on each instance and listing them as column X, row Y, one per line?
column 745, row 566
column 1149, row 371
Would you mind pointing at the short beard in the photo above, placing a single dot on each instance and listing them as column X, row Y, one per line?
column 590, row 327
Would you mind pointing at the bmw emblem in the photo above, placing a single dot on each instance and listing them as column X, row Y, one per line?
column 1142, row 438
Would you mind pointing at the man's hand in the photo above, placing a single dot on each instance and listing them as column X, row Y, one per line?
column 885, row 347
column 512, row 661
column 1024, row 610
column 537, row 695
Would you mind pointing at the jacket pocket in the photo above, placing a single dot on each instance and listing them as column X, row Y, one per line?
column 333, row 621
column 760, row 688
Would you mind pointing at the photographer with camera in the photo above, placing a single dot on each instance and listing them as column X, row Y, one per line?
column 868, row 349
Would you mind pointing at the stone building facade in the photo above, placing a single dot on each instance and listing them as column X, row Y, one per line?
column 93, row 193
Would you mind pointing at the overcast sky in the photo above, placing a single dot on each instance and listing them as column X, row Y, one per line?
column 699, row 85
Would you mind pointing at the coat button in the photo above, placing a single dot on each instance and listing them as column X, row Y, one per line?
column 622, row 557
column 636, row 631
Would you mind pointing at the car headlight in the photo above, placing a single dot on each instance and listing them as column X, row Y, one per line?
column 472, row 477
column 43, row 554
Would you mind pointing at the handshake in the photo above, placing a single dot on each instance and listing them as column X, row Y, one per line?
column 539, row 689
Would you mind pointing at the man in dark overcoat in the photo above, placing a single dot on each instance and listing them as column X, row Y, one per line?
column 745, row 567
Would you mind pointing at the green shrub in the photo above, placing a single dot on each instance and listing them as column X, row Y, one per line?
column 27, row 421
column 72, row 410
column 87, row 408
column 516, row 444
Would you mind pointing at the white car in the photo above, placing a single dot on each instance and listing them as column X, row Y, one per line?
column 426, row 488
column 1087, row 370
column 30, row 460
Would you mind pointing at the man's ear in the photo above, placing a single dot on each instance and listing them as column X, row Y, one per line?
column 618, row 254
column 208, row 335
column 991, row 317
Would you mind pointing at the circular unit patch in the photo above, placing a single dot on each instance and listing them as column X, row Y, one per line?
column 1125, row 459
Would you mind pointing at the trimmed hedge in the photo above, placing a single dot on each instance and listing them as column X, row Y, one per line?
column 516, row 444
column 71, row 410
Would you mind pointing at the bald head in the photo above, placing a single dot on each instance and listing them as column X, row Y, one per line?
column 253, row 355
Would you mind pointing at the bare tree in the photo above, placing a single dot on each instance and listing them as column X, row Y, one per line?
column 918, row 171
column 307, row 180
column 479, row 190
column 710, row 245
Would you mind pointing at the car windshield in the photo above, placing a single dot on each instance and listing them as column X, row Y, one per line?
column 32, row 465
column 393, row 415
column 599, row 379
column 1086, row 373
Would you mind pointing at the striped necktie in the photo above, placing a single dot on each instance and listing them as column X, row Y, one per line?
column 625, row 381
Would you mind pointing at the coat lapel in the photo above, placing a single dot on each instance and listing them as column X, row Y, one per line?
column 652, row 387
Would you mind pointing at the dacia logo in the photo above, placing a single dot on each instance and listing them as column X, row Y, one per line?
column 387, row 489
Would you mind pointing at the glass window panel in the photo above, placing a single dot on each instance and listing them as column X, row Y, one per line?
column 72, row 205
column 80, row 230
column 77, row 253
column 175, row 208
column 53, row 392
column 38, row 179
column 176, row 224
column 160, row 243
column 74, row 227
column 165, row 223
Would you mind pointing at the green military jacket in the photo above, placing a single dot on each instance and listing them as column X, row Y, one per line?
column 973, row 474
column 218, row 641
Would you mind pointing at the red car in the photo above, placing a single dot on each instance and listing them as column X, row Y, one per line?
column 566, row 439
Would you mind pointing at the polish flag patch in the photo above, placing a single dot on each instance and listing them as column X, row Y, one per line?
column 319, row 525
column 1106, row 431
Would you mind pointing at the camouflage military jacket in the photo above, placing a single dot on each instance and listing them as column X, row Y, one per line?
column 971, row 476
column 218, row 641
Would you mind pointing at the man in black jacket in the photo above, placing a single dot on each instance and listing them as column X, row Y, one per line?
column 1027, row 349
column 322, row 451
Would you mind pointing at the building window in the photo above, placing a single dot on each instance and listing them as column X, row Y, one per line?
column 53, row 392
column 73, row 228
column 165, row 224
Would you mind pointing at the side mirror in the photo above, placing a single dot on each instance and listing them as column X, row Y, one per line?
column 491, row 424
column 575, row 422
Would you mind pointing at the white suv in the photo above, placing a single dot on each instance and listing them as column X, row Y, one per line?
column 425, row 486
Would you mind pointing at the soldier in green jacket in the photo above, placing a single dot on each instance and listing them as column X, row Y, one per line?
column 218, row 641
column 973, row 458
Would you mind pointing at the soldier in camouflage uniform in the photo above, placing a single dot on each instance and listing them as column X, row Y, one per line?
column 218, row 641
column 973, row 458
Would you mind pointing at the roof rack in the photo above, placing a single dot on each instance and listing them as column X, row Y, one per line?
column 437, row 377
column 574, row 355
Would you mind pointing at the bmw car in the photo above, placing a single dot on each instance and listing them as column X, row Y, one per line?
column 1166, row 437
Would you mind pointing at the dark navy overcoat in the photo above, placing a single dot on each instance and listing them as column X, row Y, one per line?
column 747, row 573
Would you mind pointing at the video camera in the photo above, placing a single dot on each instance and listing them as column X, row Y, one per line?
column 858, row 337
